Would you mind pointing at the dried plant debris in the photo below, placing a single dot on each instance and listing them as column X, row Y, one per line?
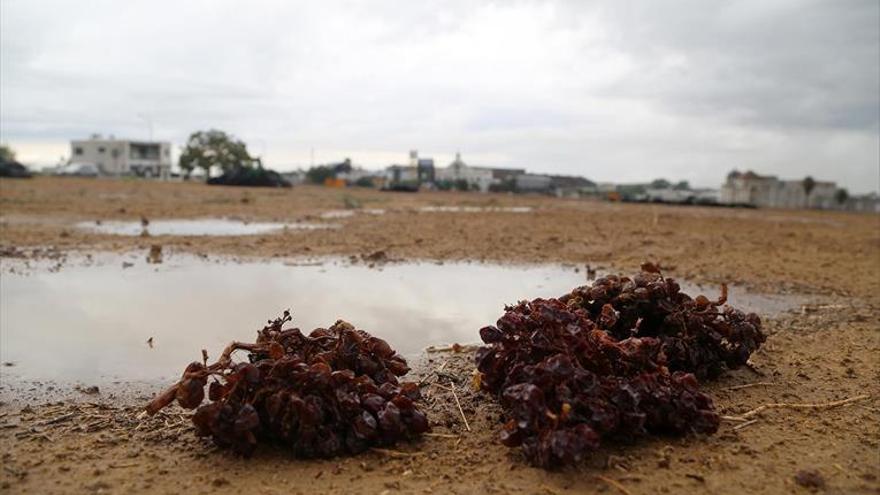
column 333, row 392
column 696, row 335
column 616, row 359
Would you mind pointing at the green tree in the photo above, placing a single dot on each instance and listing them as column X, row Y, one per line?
column 683, row 186
column 841, row 196
column 7, row 154
column 809, row 184
column 660, row 184
column 206, row 149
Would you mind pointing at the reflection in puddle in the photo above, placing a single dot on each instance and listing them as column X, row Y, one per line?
column 196, row 227
column 93, row 323
column 475, row 209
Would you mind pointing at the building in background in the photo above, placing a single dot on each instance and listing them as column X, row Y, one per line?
column 402, row 178
column 419, row 172
column 572, row 186
column 458, row 172
column 749, row 188
column 533, row 183
column 119, row 157
column 867, row 203
column 424, row 167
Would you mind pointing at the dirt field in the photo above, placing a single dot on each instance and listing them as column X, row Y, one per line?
column 827, row 351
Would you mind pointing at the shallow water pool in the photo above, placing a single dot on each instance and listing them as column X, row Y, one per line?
column 196, row 227
column 92, row 323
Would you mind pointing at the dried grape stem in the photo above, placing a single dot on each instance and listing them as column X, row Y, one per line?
column 168, row 395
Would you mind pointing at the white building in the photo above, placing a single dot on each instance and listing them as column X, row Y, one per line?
column 118, row 157
column 401, row 174
column 477, row 177
column 768, row 191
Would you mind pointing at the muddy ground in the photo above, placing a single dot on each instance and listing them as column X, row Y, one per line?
column 825, row 351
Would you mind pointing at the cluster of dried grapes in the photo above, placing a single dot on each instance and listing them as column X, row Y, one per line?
column 617, row 359
column 696, row 335
column 333, row 392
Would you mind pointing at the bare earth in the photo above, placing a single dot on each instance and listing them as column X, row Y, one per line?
column 827, row 351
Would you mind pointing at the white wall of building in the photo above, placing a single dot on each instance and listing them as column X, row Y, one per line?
column 770, row 192
column 122, row 156
column 478, row 177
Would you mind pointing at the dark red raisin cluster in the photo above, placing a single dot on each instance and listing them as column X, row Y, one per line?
column 696, row 335
column 330, row 393
column 596, row 364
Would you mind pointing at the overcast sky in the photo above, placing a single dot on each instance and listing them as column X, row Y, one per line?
column 615, row 91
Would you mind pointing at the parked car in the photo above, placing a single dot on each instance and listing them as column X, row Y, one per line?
column 14, row 169
column 78, row 170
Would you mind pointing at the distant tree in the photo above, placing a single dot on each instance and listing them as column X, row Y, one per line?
column 7, row 154
column 809, row 184
column 319, row 174
column 660, row 184
column 214, row 148
column 841, row 196
column 683, row 186
column 344, row 167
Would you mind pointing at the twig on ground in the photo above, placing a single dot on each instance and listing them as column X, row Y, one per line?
column 841, row 469
column 614, row 483
column 57, row 419
column 754, row 369
column 785, row 405
column 396, row 453
column 429, row 375
column 549, row 490
column 743, row 425
column 733, row 418
column 453, row 348
column 440, row 435
column 457, row 403
column 750, row 385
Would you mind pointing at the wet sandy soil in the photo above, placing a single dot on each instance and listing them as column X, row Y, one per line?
column 826, row 351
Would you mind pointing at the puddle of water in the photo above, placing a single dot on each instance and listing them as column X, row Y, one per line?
column 91, row 323
column 335, row 214
column 196, row 227
column 476, row 209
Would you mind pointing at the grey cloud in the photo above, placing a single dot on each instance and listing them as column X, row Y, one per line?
column 780, row 64
column 612, row 90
